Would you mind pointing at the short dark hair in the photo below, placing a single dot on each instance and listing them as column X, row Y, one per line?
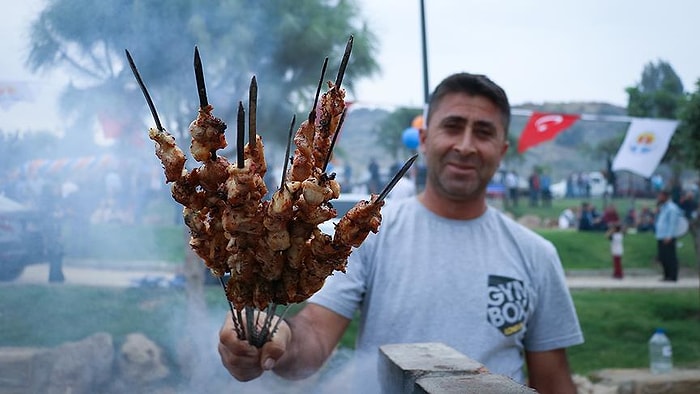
column 473, row 85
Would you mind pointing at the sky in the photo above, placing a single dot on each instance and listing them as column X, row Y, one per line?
column 537, row 50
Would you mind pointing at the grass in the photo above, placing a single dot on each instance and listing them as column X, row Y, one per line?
column 616, row 324
column 578, row 250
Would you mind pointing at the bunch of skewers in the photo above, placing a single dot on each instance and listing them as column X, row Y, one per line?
column 272, row 252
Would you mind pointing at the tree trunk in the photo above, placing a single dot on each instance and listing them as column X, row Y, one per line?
column 193, row 346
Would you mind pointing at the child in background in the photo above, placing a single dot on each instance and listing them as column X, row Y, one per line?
column 615, row 235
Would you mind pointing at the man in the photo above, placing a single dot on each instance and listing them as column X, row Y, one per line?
column 512, row 186
column 444, row 267
column 665, row 230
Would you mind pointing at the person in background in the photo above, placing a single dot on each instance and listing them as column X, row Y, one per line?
column 616, row 236
column 444, row 267
column 374, row 183
column 589, row 219
column 689, row 205
column 405, row 187
column 665, row 232
column 534, row 185
column 567, row 218
column 610, row 217
column 630, row 220
column 511, row 182
column 645, row 219
column 545, row 191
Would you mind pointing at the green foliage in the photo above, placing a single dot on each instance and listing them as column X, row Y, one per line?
column 391, row 128
column 618, row 324
column 282, row 43
column 591, row 250
column 106, row 242
column 659, row 94
column 687, row 137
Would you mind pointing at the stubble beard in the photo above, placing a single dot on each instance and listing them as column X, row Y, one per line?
column 465, row 188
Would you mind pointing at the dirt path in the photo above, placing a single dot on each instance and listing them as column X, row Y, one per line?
column 39, row 274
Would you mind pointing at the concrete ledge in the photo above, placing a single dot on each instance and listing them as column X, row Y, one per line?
column 484, row 383
column 425, row 368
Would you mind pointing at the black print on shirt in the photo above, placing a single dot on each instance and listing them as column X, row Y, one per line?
column 508, row 304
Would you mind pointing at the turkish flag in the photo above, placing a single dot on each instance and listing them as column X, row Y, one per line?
column 543, row 127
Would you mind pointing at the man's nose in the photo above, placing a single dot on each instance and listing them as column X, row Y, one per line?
column 465, row 143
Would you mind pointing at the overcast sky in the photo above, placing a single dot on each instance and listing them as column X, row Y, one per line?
column 538, row 50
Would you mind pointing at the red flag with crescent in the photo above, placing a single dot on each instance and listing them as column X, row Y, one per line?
column 543, row 127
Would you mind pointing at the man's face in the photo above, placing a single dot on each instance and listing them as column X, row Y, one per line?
column 463, row 145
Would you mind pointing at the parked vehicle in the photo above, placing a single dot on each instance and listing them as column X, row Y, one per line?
column 598, row 186
column 21, row 238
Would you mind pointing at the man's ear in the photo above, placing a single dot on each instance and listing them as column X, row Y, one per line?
column 422, row 135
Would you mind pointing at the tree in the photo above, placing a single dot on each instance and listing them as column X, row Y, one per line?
column 659, row 94
column 282, row 43
column 390, row 130
column 687, row 139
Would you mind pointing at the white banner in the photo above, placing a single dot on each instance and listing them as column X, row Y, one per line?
column 644, row 145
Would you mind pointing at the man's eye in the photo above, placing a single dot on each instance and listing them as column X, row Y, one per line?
column 484, row 131
column 452, row 125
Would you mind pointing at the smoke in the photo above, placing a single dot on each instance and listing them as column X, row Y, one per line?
column 345, row 372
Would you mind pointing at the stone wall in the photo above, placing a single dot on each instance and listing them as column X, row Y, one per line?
column 87, row 366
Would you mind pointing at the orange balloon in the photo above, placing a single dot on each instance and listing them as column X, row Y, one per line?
column 417, row 122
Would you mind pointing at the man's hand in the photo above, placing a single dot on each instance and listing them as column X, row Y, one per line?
column 246, row 362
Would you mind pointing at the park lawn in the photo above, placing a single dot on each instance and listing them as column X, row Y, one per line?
column 583, row 250
column 616, row 324
column 168, row 242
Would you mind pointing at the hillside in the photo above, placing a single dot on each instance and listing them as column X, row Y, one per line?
column 563, row 155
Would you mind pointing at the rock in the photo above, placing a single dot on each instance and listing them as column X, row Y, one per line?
column 641, row 380
column 74, row 367
column 530, row 221
column 141, row 361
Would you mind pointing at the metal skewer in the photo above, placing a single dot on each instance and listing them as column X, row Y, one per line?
column 335, row 137
column 252, row 112
column 199, row 77
column 236, row 323
column 289, row 147
column 277, row 323
column 344, row 62
column 240, row 137
column 151, row 106
column 396, row 178
column 312, row 113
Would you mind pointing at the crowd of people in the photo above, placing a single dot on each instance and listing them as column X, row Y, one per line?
column 664, row 219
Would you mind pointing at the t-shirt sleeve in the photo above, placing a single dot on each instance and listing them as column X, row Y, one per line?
column 554, row 323
column 343, row 292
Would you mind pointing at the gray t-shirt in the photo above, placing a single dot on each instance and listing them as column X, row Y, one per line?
column 488, row 287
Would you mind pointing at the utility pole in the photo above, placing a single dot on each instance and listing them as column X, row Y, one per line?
column 426, row 93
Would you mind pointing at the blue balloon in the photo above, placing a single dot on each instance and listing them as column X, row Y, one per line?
column 410, row 138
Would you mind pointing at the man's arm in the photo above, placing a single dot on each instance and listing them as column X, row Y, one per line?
column 548, row 372
column 299, row 348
